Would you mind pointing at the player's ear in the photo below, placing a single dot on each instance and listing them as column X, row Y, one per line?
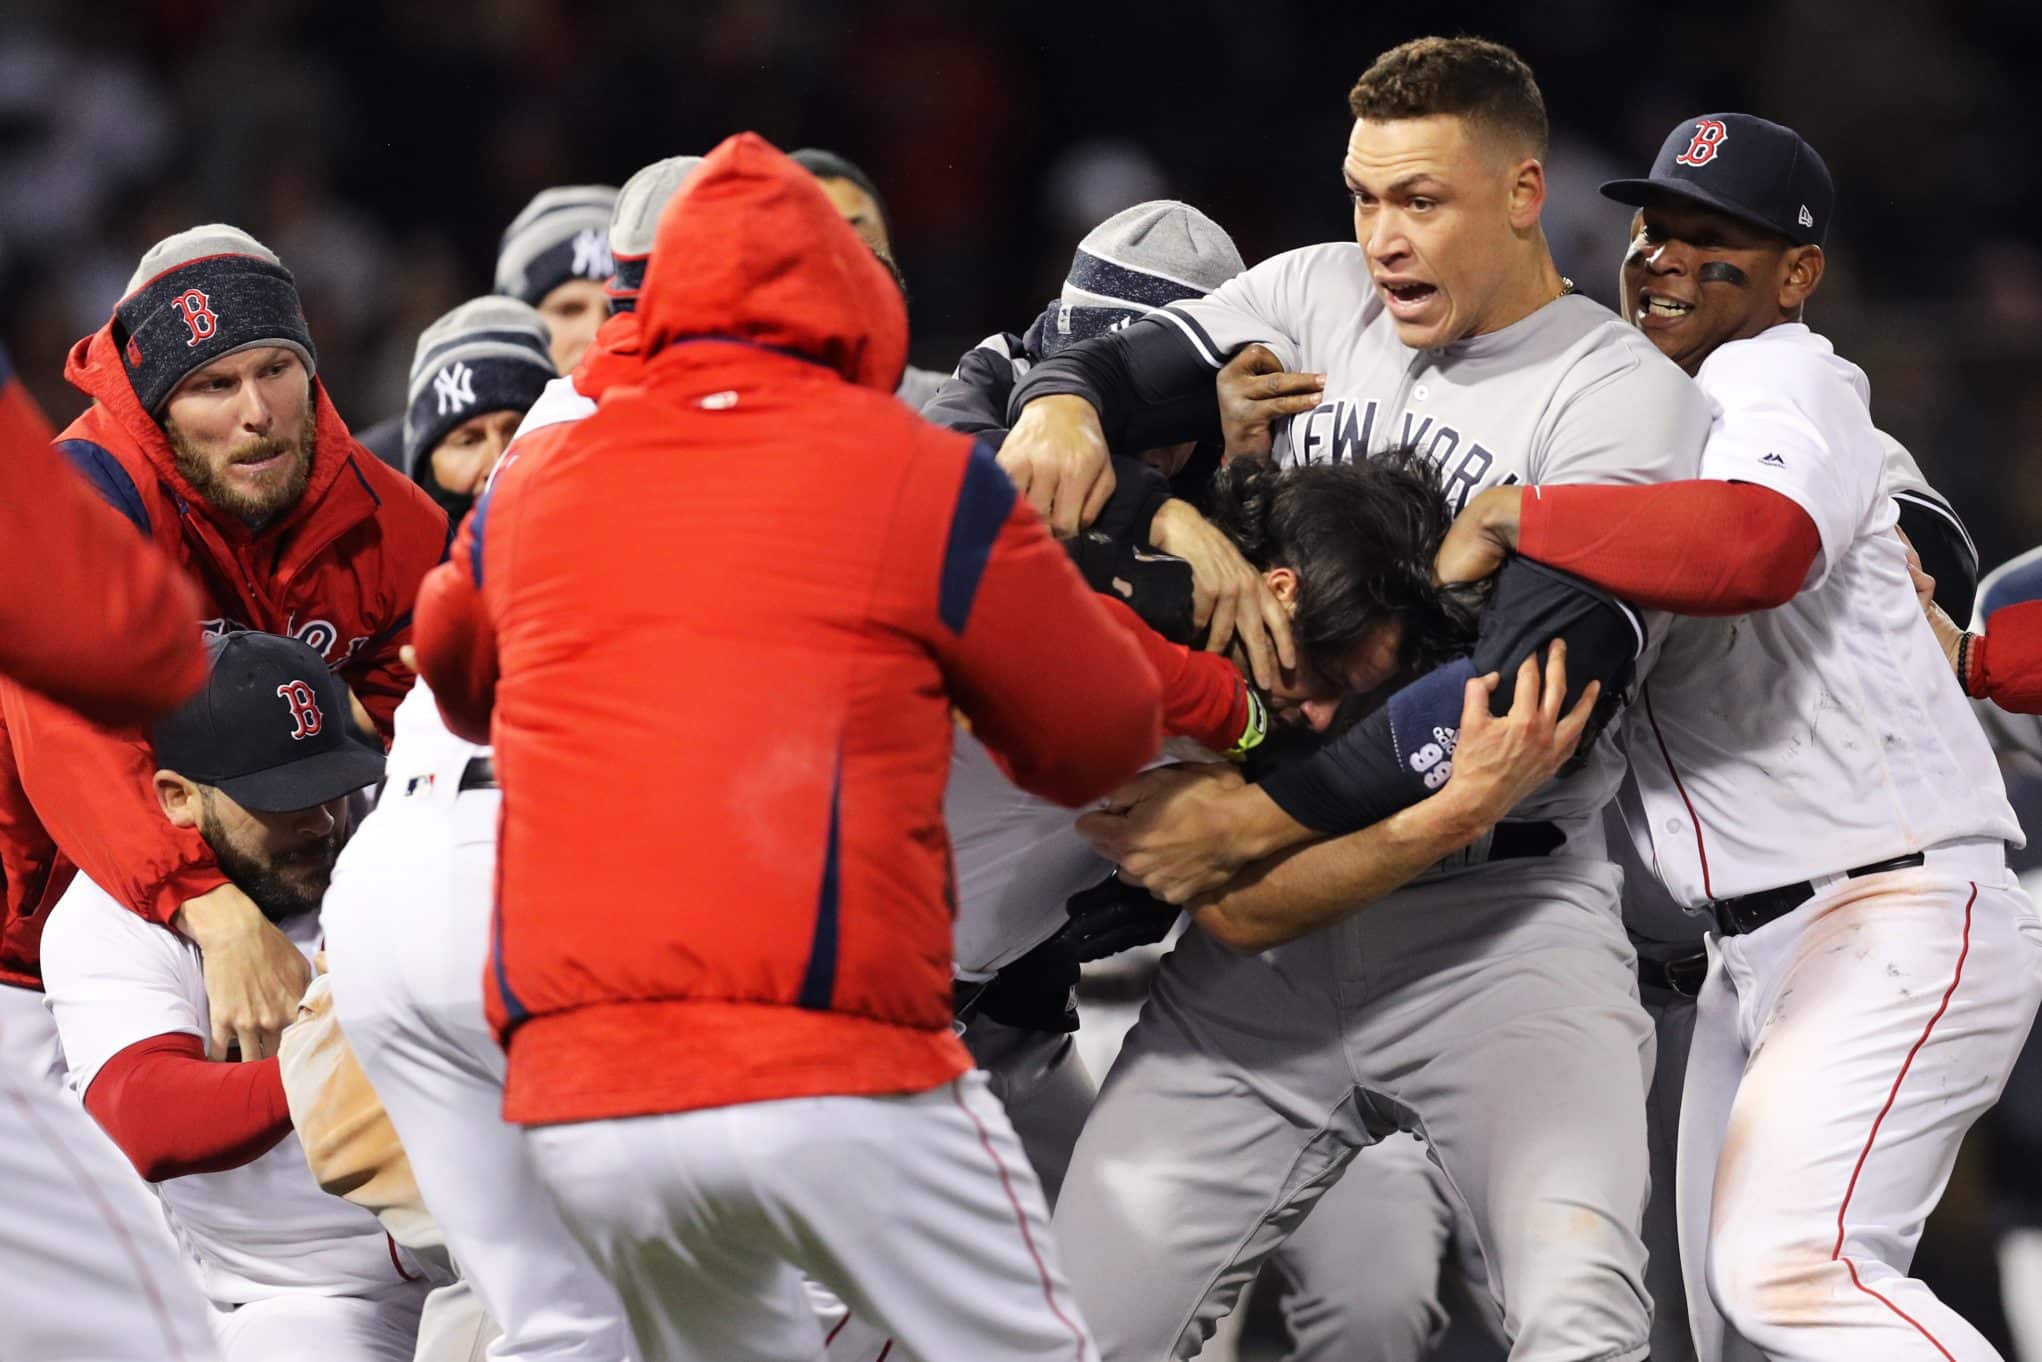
column 1800, row 276
column 1283, row 584
column 178, row 798
column 1527, row 194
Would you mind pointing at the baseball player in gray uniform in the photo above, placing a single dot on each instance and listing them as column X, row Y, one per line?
column 1491, row 1004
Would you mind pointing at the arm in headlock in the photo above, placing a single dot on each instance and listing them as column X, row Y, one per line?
column 1147, row 382
column 1404, row 750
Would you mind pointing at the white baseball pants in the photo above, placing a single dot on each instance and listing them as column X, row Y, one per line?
column 407, row 938
column 88, row 1270
column 920, row 1212
column 1839, row 1055
column 305, row 1327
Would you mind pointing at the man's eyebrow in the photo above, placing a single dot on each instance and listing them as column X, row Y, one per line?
column 1400, row 186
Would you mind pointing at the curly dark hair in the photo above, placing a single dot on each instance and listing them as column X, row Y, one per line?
column 1361, row 538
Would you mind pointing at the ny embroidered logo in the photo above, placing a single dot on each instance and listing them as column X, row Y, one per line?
column 1710, row 134
column 454, row 386
column 592, row 255
column 304, row 708
column 197, row 311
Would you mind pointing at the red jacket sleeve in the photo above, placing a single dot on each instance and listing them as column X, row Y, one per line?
column 93, row 788
column 2004, row 664
column 1204, row 697
column 172, row 1112
column 1701, row 547
column 91, row 613
column 1052, row 685
column 455, row 641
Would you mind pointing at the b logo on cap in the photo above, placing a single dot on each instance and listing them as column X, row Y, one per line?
column 1709, row 135
column 304, row 708
column 197, row 310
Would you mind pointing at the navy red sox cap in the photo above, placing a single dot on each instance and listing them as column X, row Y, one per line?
column 1756, row 171
column 270, row 728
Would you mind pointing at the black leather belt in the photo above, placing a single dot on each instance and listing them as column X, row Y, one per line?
column 479, row 774
column 1749, row 912
column 1683, row 974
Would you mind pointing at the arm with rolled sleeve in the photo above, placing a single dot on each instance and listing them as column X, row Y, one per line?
column 1052, row 685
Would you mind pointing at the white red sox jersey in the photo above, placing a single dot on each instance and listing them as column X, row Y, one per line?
column 1828, row 733
column 1568, row 394
column 261, row 1230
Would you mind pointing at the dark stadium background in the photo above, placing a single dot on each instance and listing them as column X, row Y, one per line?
column 380, row 145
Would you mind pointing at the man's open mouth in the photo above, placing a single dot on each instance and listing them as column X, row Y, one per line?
column 1659, row 305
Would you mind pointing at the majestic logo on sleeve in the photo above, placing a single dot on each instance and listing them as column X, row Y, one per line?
column 304, row 708
column 1709, row 135
column 592, row 255
column 454, row 386
column 197, row 310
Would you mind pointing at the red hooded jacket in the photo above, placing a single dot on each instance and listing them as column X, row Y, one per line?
column 730, row 614
column 340, row 571
column 77, row 588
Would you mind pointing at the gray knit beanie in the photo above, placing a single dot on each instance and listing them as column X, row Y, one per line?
column 635, row 223
column 205, row 293
column 562, row 234
column 488, row 354
column 1136, row 261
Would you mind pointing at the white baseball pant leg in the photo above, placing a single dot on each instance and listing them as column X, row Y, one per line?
column 1839, row 1055
column 919, row 1211
column 305, row 1327
column 88, row 1270
column 407, row 939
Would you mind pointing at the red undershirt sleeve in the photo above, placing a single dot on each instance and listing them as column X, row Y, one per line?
column 2004, row 664
column 1699, row 547
column 174, row 1112
column 1204, row 697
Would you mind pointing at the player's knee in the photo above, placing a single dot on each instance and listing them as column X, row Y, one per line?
column 1768, row 1277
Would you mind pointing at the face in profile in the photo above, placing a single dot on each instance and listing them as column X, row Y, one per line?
column 860, row 211
column 241, row 432
column 573, row 311
column 1438, row 205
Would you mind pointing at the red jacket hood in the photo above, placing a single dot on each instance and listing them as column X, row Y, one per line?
column 752, row 250
column 94, row 368
column 615, row 358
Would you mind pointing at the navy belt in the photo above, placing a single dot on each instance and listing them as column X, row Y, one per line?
column 479, row 774
column 1749, row 912
column 1683, row 974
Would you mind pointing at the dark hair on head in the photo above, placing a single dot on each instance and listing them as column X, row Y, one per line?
column 1469, row 78
column 1361, row 538
column 828, row 165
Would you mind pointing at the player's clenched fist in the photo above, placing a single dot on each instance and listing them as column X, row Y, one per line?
column 254, row 975
column 1056, row 454
column 1256, row 392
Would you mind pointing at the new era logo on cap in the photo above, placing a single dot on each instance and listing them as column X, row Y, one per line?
column 1774, row 460
column 1806, row 218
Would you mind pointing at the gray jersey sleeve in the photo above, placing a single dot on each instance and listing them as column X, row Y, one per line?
column 1276, row 303
column 1624, row 414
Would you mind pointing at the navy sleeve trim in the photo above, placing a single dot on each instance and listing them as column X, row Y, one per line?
column 108, row 478
column 480, row 516
column 819, row 979
column 983, row 503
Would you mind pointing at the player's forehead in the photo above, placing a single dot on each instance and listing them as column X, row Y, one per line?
column 1676, row 215
column 1382, row 152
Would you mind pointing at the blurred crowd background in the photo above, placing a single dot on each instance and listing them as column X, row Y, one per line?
column 381, row 145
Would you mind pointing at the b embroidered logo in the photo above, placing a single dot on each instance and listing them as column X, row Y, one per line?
column 592, row 255
column 304, row 708
column 454, row 386
column 197, row 311
column 1710, row 134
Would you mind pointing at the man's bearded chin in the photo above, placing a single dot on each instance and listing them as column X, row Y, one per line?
column 253, row 510
column 284, row 886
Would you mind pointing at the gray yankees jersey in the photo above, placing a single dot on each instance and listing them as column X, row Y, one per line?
column 1568, row 394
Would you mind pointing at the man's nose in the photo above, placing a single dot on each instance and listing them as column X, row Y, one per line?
column 255, row 411
column 1668, row 257
column 1385, row 235
column 317, row 821
column 1319, row 713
